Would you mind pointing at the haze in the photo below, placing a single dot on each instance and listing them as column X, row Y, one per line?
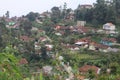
column 23, row 7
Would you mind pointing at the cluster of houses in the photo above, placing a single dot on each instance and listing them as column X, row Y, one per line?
column 104, row 45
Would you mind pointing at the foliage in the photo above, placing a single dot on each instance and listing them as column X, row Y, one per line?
column 118, row 38
column 26, row 25
column 8, row 66
column 55, row 14
column 32, row 16
column 103, row 11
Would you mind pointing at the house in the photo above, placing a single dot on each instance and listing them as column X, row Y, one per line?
column 71, row 47
column 47, row 70
column 85, row 69
column 85, row 39
column 109, row 28
column 113, row 50
column 37, row 46
column 85, row 6
column 63, row 28
column 74, row 48
column 80, row 43
column 81, row 23
column 41, row 31
column 86, row 42
column 49, row 47
column 83, row 30
column 60, row 58
column 70, row 16
column 83, row 42
column 23, row 61
column 98, row 47
column 13, row 25
column 45, row 14
column 25, row 38
column 58, row 34
column 100, row 31
column 34, row 29
column 42, row 39
column 108, row 41
column 80, row 77
column 57, row 27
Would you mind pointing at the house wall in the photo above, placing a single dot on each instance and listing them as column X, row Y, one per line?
column 109, row 27
column 103, row 50
column 81, row 23
column 91, row 47
column 106, row 43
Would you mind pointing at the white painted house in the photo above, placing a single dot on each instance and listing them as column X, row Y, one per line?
column 109, row 26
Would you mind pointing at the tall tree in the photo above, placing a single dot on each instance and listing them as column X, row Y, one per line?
column 7, row 14
column 32, row 16
column 55, row 16
column 83, row 14
column 111, row 14
column 3, row 33
column 44, row 52
column 27, row 26
column 116, row 5
column 64, row 11
column 78, row 13
column 100, row 11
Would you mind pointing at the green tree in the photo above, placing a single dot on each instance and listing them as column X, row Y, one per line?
column 7, row 14
column 80, row 13
column 8, row 65
column 55, row 16
column 91, row 74
column 116, row 5
column 44, row 52
column 32, row 16
column 118, row 38
column 26, row 25
column 100, row 11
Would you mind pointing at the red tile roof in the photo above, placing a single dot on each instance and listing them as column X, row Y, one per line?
column 23, row 61
column 83, row 29
column 42, row 39
column 84, row 69
column 26, row 38
column 98, row 45
column 40, row 30
column 109, row 39
column 57, row 27
column 61, row 28
column 79, row 77
column 49, row 47
column 85, row 39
